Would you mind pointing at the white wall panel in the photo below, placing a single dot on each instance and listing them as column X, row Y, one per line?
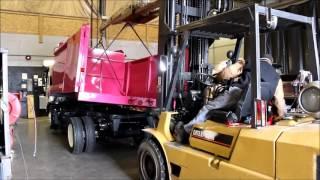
column 220, row 49
column 20, row 45
column 134, row 49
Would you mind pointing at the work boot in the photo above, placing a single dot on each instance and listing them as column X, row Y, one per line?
column 180, row 133
column 232, row 117
column 246, row 119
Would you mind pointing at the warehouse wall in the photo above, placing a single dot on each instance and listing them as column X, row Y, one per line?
column 20, row 45
column 63, row 18
column 15, row 76
column 218, row 51
column 41, row 25
column 133, row 49
column 34, row 27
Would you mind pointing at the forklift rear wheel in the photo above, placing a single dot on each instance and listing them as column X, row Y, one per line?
column 151, row 161
column 75, row 135
column 90, row 134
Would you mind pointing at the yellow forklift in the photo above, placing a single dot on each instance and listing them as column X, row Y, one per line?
column 286, row 149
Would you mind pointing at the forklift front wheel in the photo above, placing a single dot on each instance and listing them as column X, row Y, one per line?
column 152, row 164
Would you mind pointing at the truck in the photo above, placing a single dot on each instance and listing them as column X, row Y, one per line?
column 95, row 93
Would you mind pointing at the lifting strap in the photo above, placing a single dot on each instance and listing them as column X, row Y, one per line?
column 100, row 42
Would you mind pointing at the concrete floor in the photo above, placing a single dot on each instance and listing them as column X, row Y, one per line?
column 110, row 160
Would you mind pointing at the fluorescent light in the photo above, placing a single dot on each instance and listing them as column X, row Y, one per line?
column 162, row 65
column 48, row 62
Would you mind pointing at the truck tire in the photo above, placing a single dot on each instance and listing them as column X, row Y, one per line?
column 152, row 165
column 90, row 135
column 75, row 134
column 54, row 119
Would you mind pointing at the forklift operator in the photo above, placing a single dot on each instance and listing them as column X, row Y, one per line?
column 238, row 96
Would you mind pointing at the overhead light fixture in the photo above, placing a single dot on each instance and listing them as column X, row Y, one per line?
column 28, row 57
column 48, row 62
column 163, row 63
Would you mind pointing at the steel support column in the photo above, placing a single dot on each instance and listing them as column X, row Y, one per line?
column 255, row 62
column 176, row 70
column 315, row 45
column 5, row 154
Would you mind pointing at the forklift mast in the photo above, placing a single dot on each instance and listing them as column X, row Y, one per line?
column 194, row 59
column 174, row 13
column 185, row 33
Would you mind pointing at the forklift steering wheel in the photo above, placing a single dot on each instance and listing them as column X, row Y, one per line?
column 206, row 79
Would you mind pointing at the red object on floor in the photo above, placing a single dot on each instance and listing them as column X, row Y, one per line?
column 14, row 108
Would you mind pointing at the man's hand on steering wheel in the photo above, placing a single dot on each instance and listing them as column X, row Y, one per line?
column 206, row 79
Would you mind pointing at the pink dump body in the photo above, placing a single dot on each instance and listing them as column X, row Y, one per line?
column 97, row 77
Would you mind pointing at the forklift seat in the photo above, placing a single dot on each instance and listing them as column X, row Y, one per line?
column 242, row 109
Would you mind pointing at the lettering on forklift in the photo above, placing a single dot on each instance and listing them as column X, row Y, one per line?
column 197, row 132
column 212, row 136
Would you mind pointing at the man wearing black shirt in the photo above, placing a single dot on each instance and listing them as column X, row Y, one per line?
column 239, row 94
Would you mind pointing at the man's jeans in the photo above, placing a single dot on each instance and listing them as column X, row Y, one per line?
column 227, row 100
column 236, row 99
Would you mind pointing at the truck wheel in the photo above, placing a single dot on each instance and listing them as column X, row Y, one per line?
column 152, row 165
column 54, row 119
column 75, row 135
column 90, row 135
